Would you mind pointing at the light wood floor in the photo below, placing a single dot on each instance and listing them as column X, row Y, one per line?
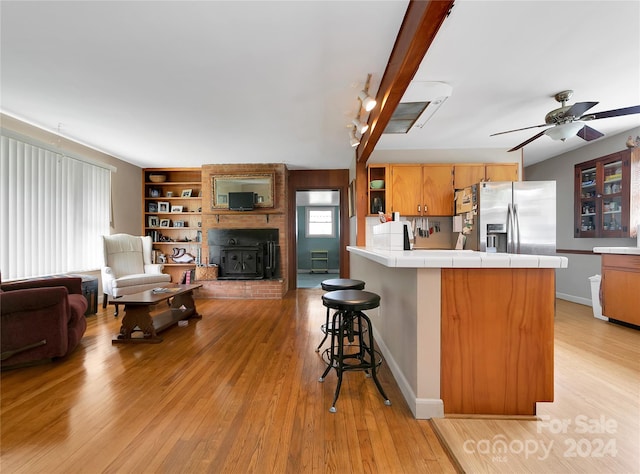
column 593, row 426
column 235, row 392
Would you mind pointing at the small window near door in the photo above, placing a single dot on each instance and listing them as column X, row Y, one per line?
column 320, row 222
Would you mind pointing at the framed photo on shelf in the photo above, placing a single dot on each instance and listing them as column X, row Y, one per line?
column 178, row 224
column 153, row 207
column 163, row 206
column 164, row 222
column 176, row 208
column 153, row 221
column 186, row 193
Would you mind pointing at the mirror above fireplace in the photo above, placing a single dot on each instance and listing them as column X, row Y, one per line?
column 262, row 185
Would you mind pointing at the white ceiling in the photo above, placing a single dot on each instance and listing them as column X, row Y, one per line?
column 160, row 83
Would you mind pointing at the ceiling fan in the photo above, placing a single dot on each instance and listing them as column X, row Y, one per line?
column 567, row 121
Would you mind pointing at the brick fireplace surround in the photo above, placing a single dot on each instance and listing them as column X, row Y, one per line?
column 275, row 218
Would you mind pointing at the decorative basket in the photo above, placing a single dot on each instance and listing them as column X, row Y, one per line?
column 207, row 273
column 157, row 178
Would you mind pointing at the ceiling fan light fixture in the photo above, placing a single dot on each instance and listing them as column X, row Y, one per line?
column 367, row 102
column 361, row 127
column 564, row 130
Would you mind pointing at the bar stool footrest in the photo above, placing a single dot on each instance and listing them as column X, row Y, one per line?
column 363, row 365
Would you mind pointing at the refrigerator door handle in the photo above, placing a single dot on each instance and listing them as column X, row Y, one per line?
column 509, row 229
column 516, row 228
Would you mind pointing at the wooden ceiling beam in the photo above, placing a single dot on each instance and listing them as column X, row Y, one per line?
column 421, row 22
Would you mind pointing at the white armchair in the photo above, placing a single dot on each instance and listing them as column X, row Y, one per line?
column 127, row 266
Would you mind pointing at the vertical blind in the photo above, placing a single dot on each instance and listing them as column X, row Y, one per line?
column 53, row 211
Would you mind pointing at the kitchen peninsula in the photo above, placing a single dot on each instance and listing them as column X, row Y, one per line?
column 463, row 331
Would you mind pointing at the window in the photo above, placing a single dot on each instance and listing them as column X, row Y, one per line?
column 320, row 222
column 54, row 210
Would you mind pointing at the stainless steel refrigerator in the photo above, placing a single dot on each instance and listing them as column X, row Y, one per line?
column 515, row 217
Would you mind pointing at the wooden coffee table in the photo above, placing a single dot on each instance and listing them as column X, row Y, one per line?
column 137, row 312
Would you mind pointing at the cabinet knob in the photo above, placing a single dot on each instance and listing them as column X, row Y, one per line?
column 418, row 207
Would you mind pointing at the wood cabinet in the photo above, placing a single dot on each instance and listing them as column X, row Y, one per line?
column 496, row 340
column 501, row 172
column 471, row 173
column 607, row 195
column 377, row 198
column 467, row 174
column 422, row 190
column 619, row 287
column 172, row 211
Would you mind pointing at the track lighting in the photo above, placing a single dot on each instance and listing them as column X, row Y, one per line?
column 367, row 102
column 353, row 139
column 361, row 127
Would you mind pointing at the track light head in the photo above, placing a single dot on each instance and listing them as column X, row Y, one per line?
column 361, row 127
column 353, row 140
column 367, row 102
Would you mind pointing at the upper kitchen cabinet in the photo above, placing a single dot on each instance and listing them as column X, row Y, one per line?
column 422, row 190
column 468, row 174
column 501, row 172
column 377, row 188
column 607, row 195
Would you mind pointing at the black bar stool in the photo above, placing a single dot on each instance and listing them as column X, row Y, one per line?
column 335, row 284
column 349, row 305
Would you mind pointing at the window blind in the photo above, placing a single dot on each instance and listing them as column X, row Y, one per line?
column 53, row 211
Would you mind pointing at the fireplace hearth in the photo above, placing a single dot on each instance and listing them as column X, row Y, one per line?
column 245, row 254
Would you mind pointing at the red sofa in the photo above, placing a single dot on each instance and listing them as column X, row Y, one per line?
column 40, row 319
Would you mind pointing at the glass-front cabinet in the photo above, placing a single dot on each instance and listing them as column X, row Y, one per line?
column 605, row 196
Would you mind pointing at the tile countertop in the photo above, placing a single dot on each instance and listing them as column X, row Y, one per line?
column 620, row 250
column 457, row 259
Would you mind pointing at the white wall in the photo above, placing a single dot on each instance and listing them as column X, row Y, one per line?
column 572, row 283
column 471, row 155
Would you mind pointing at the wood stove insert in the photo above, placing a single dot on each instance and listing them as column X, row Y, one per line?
column 245, row 254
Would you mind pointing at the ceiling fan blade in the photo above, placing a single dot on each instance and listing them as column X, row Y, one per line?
column 536, row 136
column 587, row 133
column 518, row 129
column 579, row 108
column 613, row 113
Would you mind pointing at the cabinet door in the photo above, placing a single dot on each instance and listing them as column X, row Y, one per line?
column 437, row 191
column 620, row 283
column 613, row 207
column 586, row 201
column 406, row 191
column 501, row 172
column 466, row 175
column 607, row 189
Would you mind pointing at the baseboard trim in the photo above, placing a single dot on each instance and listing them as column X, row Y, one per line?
column 574, row 299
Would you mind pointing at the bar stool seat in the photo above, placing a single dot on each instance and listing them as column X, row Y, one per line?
column 334, row 284
column 350, row 322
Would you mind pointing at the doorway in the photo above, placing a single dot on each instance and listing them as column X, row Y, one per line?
column 318, row 234
column 306, row 180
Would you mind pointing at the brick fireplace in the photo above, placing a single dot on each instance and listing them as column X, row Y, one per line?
column 250, row 271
